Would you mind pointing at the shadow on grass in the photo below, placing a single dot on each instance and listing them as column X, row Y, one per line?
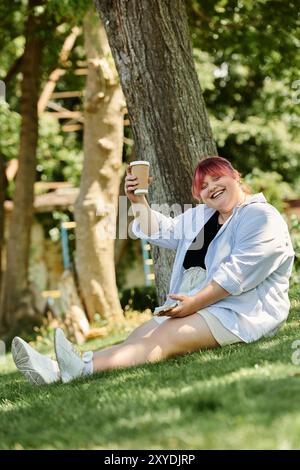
column 161, row 405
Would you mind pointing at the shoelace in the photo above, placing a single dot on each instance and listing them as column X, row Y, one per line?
column 75, row 350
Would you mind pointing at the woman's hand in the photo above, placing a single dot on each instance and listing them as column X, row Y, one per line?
column 186, row 307
column 131, row 183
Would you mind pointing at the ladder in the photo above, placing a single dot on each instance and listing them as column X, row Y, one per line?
column 147, row 262
column 64, row 227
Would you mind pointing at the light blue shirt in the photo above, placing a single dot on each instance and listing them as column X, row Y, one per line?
column 251, row 257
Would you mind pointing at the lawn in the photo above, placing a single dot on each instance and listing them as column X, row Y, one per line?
column 238, row 397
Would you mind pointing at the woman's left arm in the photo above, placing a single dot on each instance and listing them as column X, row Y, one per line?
column 209, row 295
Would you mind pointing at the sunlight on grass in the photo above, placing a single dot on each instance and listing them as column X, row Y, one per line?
column 238, row 397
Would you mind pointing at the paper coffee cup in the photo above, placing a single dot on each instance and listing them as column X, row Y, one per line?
column 140, row 169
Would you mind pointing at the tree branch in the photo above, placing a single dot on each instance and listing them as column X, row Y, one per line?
column 14, row 69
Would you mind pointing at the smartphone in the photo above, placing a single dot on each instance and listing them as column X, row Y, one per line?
column 165, row 308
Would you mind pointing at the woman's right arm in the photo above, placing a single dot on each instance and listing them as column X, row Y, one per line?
column 141, row 210
column 149, row 224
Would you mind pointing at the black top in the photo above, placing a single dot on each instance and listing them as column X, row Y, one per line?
column 196, row 253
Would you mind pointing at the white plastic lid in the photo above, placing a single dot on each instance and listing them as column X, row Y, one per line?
column 139, row 162
column 141, row 191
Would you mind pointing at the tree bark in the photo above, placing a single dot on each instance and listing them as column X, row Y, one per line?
column 150, row 42
column 15, row 304
column 2, row 212
column 96, row 207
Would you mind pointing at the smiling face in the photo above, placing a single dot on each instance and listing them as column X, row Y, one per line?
column 221, row 192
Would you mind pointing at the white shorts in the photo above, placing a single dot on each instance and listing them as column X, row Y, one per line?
column 192, row 277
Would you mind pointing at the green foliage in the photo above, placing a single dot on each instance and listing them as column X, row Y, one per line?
column 10, row 128
column 59, row 155
column 139, row 298
column 13, row 16
column 265, row 138
column 272, row 185
column 128, row 261
column 51, row 222
column 248, row 60
column 205, row 68
column 71, row 11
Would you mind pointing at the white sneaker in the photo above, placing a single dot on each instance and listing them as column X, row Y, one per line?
column 36, row 367
column 71, row 363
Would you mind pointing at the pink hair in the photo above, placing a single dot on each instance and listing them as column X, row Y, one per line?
column 213, row 166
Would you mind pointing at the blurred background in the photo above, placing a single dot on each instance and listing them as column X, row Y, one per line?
column 58, row 128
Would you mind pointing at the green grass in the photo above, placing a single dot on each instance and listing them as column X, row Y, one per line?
column 238, row 397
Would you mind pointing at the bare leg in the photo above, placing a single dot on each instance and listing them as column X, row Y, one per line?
column 174, row 337
column 140, row 332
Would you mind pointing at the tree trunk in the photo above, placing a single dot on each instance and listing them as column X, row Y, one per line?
column 2, row 212
column 96, row 207
column 75, row 319
column 151, row 46
column 15, row 303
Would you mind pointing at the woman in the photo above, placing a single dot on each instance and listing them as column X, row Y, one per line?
column 231, row 273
